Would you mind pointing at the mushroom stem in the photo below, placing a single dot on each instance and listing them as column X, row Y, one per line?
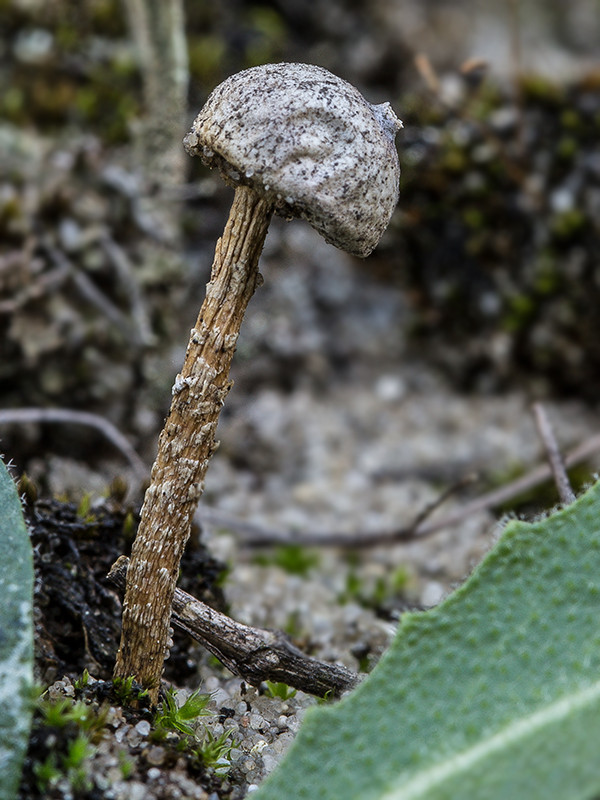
column 187, row 442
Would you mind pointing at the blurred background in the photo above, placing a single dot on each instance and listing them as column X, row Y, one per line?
column 362, row 387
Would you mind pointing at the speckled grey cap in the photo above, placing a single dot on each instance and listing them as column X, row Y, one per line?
column 311, row 143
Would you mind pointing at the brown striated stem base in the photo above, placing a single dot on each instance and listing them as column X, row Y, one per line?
column 187, row 442
column 254, row 654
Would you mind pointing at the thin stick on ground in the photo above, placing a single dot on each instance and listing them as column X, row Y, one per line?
column 68, row 416
column 428, row 510
column 126, row 274
column 90, row 292
column 256, row 536
column 553, row 453
column 253, row 535
column 46, row 283
column 254, row 654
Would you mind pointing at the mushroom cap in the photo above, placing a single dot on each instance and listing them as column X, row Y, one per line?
column 309, row 142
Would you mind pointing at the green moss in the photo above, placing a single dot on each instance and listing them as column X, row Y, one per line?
column 520, row 310
column 454, row 159
column 107, row 18
column 570, row 119
column 281, row 690
column 474, row 218
column 293, row 626
column 172, row 717
column 476, row 244
column 537, row 87
column 127, row 691
column 179, row 728
column 69, row 728
column 497, row 170
column 110, row 101
column 206, row 57
column 567, row 148
column 378, row 593
column 67, row 38
column 547, row 276
column 567, row 224
column 126, row 765
column 292, row 558
column 400, row 579
column 486, row 100
column 47, row 772
column 84, row 509
column 267, row 38
column 12, row 103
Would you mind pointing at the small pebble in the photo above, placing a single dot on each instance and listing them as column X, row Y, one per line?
column 143, row 727
column 155, row 755
column 220, row 697
column 256, row 722
column 136, row 791
column 269, row 763
column 211, row 684
column 432, row 593
column 258, row 745
column 294, row 723
column 121, row 732
column 133, row 738
column 113, row 774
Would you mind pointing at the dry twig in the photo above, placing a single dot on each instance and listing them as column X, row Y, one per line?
column 43, row 284
column 258, row 536
column 553, row 453
column 427, row 72
column 254, row 654
column 428, row 510
column 126, row 273
column 64, row 415
column 88, row 290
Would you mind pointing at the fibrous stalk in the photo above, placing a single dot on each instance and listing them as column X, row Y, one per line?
column 187, row 442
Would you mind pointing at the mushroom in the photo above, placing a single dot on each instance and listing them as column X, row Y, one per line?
column 291, row 139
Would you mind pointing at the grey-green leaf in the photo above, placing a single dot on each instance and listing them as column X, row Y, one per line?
column 16, row 636
column 494, row 694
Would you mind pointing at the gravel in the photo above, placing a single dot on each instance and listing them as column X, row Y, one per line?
column 126, row 763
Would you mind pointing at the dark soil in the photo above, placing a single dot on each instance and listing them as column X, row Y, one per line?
column 77, row 617
column 77, row 612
